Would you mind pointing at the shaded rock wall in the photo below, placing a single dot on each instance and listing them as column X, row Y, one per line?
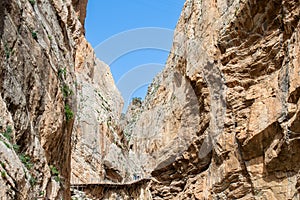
column 138, row 189
column 37, row 86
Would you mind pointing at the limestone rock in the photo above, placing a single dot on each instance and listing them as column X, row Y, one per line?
column 221, row 121
column 37, row 44
column 234, row 70
column 99, row 148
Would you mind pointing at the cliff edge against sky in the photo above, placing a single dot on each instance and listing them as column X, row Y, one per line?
column 221, row 121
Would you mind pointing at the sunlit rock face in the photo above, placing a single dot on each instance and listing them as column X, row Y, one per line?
column 99, row 148
column 37, row 103
column 60, row 108
column 222, row 119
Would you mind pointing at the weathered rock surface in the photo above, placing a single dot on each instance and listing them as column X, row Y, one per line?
column 99, row 150
column 222, row 120
column 37, row 65
column 51, row 80
column 138, row 189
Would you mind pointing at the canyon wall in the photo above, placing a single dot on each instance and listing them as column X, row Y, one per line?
column 222, row 119
column 39, row 43
column 60, row 108
column 99, row 148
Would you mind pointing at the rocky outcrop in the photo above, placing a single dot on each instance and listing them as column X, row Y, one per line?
column 37, row 86
column 99, row 150
column 221, row 121
column 80, row 8
column 59, row 105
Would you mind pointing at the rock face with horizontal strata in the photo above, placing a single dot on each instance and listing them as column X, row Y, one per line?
column 223, row 116
column 220, row 122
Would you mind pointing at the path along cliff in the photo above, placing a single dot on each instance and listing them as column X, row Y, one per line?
column 221, row 121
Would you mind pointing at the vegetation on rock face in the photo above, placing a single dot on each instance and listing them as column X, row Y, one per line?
column 137, row 100
column 32, row 181
column 55, row 173
column 127, row 135
column 62, row 72
column 16, row 148
column 7, row 51
column 67, row 91
column 26, row 160
column 34, row 35
column 7, row 133
column 3, row 174
column 32, row 2
column 68, row 113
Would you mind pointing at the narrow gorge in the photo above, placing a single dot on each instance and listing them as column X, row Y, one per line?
column 221, row 121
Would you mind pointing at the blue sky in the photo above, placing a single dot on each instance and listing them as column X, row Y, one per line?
column 134, row 37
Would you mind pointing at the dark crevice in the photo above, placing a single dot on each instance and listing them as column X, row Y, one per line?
column 294, row 96
column 5, row 8
column 243, row 165
column 64, row 32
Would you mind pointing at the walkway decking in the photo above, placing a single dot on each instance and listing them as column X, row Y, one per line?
column 110, row 184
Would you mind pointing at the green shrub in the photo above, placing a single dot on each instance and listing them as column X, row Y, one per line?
column 16, row 148
column 67, row 91
column 32, row 2
column 137, row 100
column 34, row 35
column 3, row 174
column 57, row 178
column 6, row 144
column 68, row 113
column 62, row 72
column 7, row 133
column 32, row 181
column 55, row 173
column 25, row 159
column 54, row 170
column 127, row 135
column 7, row 51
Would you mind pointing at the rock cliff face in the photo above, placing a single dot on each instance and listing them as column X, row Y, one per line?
column 60, row 108
column 222, row 120
column 99, row 150
column 37, row 104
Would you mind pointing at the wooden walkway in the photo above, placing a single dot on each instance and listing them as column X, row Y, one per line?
column 81, row 186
